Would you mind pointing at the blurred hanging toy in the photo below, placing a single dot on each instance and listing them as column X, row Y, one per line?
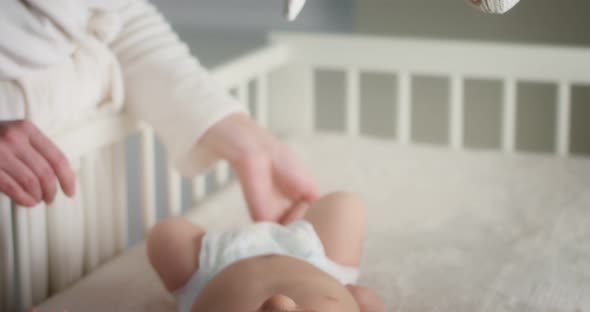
column 494, row 6
column 293, row 8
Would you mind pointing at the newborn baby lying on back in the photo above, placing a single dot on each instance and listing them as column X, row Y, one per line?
column 309, row 264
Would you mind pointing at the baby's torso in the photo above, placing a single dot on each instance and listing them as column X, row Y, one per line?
column 257, row 255
column 255, row 279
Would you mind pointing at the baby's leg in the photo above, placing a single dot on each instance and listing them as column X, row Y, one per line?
column 173, row 250
column 340, row 221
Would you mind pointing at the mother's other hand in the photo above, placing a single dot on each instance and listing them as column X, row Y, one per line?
column 30, row 163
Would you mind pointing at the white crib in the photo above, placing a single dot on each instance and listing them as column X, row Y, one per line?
column 75, row 249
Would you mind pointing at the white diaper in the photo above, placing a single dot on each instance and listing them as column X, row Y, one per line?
column 222, row 249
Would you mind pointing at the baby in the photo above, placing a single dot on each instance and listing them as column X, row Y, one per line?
column 309, row 264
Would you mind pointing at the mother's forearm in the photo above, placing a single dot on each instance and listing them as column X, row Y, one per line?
column 168, row 88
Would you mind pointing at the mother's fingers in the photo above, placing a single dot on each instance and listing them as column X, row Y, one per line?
column 23, row 175
column 296, row 184
column 56, row 159
column 254, row 175
column 13, row 190
column 293, row 179
column 42, row 170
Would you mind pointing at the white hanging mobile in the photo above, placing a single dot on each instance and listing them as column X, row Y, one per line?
column 293, row 8
column 494, row 6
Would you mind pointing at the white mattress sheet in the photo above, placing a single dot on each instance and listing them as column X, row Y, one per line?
column 449, row 230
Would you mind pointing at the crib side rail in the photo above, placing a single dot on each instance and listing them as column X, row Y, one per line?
column 457, row 61
column 50, row 246
column 440, row 57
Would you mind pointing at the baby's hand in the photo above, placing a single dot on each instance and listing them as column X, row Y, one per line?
column 297, row 212
column 366, row 299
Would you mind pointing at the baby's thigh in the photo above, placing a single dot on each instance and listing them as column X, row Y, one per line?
column 173, row 248
column 340, row 221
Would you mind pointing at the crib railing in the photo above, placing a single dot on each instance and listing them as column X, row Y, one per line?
column 456, row 61
column 33, row 241
column 47, row 248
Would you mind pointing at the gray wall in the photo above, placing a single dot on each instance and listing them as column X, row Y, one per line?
column 218, row 30
column 236, row 15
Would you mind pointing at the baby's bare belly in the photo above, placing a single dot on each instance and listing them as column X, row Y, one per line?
column 246, row 284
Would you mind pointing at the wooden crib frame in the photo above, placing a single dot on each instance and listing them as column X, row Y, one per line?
column 38, row 251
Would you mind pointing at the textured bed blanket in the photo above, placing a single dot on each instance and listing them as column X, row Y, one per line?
column 449, row 230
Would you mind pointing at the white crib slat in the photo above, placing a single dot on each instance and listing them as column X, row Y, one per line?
column 7, row 265
column 77, row 212
column 222, row 172
column 23, row 256
column 148, row 179
column 120, row 197
column 309, row 99
column 563, row 119
column 509, row 115
column 88, row 189
column 243, row 93
column 105, row 201
column 57, row 250
column 174, row 192
column 38, row 252
column 404, row 109
column 199, row 188
column 262, row 100
column 456, row 112
column 353, row 102
column 104, row 189
column 65, row 223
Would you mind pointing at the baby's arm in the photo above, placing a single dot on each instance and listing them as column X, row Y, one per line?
column 173, row 250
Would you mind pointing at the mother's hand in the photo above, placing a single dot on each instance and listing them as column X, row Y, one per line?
column 273, row 180
column 30, row 163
